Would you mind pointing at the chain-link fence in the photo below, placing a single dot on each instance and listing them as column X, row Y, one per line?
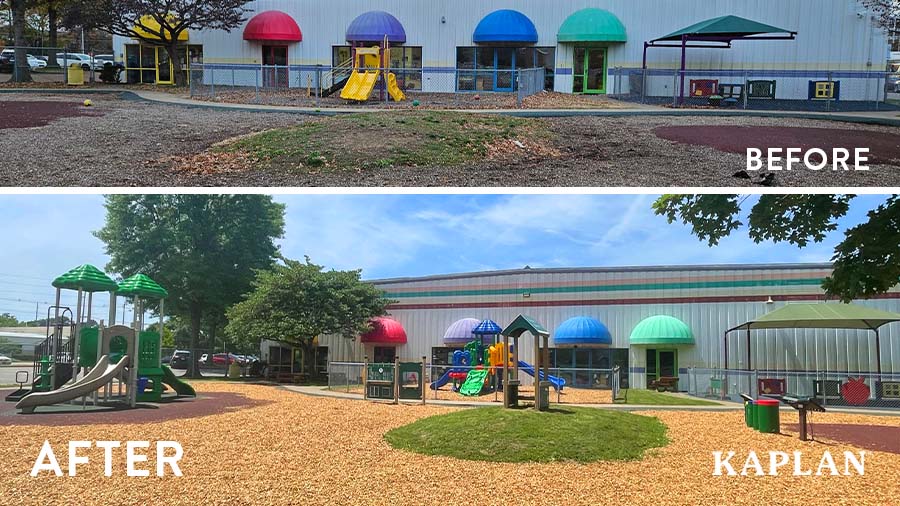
column 829, row 91
column 211, row 363
column 44, row 64
column 346, row 377
column 321, row 86
column 835, row 389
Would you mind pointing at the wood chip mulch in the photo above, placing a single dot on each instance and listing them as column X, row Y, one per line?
column 312, row 450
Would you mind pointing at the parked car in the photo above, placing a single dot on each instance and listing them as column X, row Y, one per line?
column 4, row 360
column 68, row 59
column 181, row 359
column 101, row 60
column 36, row 63
column 220, row 359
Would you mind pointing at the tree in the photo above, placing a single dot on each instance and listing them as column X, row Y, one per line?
column 885, row 15
column 9, row 348
column 158, row 22
column 8, row 320
column 865, row 263
column 296, row 302
column 204, row 249
column 22, row 73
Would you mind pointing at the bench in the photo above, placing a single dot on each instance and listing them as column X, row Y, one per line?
column 664, row 383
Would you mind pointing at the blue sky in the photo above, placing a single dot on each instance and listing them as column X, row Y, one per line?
column 403, row 235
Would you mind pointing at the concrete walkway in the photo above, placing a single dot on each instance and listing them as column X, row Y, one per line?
column 885, row 118
column 320, row 391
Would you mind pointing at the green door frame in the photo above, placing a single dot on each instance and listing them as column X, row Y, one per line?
column 584, row 80
column 661, row 350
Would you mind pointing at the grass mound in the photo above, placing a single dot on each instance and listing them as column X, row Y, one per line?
column 509, row 435
column 389, row 139
column 654, row 398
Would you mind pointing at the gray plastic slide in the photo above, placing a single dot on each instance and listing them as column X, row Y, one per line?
column 101, row 374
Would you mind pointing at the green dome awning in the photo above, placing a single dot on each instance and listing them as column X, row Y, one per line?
column 661, row 330
column 140, row 285
column 85, row 277
column 592, row 25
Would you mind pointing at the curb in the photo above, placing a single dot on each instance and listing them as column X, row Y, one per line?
column 523, row 113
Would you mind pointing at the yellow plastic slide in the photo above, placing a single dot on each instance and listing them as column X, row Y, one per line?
column 393, row 89
column 360, row 85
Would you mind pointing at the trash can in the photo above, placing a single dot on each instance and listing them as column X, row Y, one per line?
column 767, row 416
column 234, row 370
column 142, row 383
column 545, row 396
column 750, row 413
column 75, row 75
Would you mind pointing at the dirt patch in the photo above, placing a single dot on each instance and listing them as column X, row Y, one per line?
column 884, row 147
column 872, row 437
column 212, row 403
column 34, row 113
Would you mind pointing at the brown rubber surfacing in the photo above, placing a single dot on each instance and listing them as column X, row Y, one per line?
column 209, row 403
column 883, row 147
column 34, row 113
column 882, row 438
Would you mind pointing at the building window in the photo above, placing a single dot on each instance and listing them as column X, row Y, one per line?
column 322, row 360
column 493, row 68
column 279, row 359
column 146, row 64
column 384, row 354
column 405, row 62
column 440, row 355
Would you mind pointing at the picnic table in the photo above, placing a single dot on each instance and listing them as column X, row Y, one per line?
column 664, row 383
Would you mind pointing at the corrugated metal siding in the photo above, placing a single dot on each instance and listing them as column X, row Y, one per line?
column 832, row 350
column 831, row 34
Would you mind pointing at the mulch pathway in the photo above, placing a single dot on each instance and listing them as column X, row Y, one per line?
column 26, row 114
column 883, row 147
column 210, row 403
column 880, row 438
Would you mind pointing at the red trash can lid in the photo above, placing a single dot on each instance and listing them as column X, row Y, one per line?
column 767, row 402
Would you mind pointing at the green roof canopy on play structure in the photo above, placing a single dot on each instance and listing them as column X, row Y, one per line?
column 661, row 330
column 592, row 25
column 86, row 278
column 819, row 316
column 141, row 285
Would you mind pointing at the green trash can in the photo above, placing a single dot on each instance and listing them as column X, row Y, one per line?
column 767, row 416
column 750, row 413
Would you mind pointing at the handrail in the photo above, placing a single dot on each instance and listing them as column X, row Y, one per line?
column 345, row 67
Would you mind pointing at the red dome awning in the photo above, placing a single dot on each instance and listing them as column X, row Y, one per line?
column 384, row 331
column 273, row 26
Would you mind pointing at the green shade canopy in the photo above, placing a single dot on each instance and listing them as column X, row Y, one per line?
column 87, row 278
column 140, row 285
column 524, row 323
column 821, row 316
column 725, row 27
column 592, row 25
column 661, row 330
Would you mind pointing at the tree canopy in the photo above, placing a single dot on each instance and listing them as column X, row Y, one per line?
column 298, row 301
column 865, row 263
column 203, row 249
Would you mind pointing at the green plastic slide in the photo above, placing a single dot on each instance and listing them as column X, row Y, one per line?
column 180, row 387
column 474, row 382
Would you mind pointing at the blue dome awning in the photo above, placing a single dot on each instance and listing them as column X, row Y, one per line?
column 582, row 331
column 505, row 25
column 373, row 26
column 487, row 328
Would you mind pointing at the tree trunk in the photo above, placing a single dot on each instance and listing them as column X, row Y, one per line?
column 22, row 72
column 309, row 356
column 175, row 58
column 196, row 316
column 52, row 34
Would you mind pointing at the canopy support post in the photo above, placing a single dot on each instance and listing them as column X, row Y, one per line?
column 749, row 366
column 877, row 353
column 683, row 67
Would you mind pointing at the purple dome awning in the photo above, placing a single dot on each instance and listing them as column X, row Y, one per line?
column 460, row 332
column 372, row 26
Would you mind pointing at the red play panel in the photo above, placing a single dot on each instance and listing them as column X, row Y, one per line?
column 25, row 114
column 883, row 147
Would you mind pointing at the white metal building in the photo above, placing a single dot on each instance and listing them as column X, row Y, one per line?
column 709, row 299
column 438, row 40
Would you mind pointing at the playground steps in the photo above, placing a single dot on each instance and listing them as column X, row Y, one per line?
column 337, row 86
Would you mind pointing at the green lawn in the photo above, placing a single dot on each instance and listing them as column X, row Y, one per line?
column 641, row 396
column 524, row 435
column 386, row 139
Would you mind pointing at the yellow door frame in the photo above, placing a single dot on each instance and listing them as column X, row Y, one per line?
column 171, row 68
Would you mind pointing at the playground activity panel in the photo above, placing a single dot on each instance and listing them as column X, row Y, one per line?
column 123, row 361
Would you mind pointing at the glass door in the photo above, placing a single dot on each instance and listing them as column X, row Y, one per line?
column 668, row 363
column 595, row 71
column 163, row 67
column 275, row 72
column 589, row 70
column 504, row 63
